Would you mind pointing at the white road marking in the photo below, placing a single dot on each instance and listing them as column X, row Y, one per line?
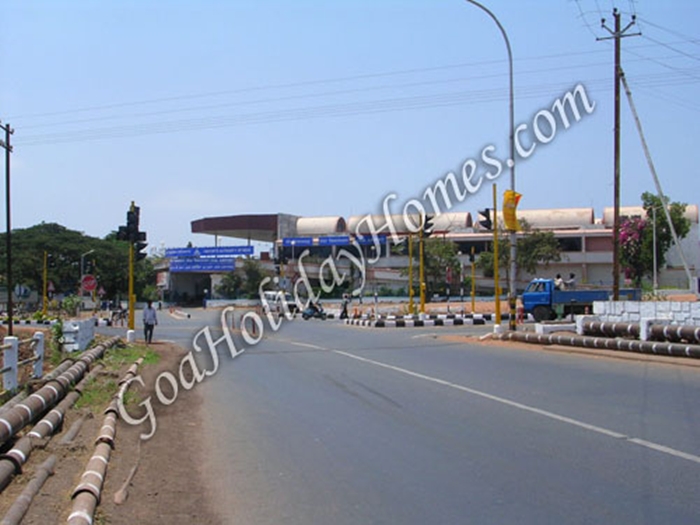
column 307, row 345
column 563, row 419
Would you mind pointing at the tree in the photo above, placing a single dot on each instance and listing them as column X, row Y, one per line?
column 637, row 236
column 230, row 285
column 534, row 248
column 440, row 261
column 64, row 247
column 253, row 275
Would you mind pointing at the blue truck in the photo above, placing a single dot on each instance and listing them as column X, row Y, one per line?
column 542, row 299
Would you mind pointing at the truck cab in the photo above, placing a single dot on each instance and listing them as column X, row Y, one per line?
column 537, row 299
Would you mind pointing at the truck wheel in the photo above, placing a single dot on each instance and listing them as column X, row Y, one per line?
column 542, row 313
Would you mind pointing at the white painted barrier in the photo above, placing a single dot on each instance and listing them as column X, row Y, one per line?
column 78, row 334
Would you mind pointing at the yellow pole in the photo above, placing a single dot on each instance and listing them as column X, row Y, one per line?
column 131, row 285
column 473, row 281
column 45, row 309
column 411, row 306
column 421, row 276
column 132, row 208
column 496, row 284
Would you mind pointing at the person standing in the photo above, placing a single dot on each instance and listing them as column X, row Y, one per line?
column 150, row 319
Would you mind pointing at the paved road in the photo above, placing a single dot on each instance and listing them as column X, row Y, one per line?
column 325, row 423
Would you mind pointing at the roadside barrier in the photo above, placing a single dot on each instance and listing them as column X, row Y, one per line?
column 11, row 364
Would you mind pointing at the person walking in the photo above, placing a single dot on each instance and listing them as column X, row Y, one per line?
column 150, row 319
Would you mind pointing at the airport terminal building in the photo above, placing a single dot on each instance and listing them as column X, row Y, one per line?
column 586, row 247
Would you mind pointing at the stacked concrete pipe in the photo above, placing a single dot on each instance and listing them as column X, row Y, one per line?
column 12, row 462
column 87, row 494
column 656, row 332
column 644, row 347
column 27, row 411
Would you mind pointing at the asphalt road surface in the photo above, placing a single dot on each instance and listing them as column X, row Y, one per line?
column 323, row 423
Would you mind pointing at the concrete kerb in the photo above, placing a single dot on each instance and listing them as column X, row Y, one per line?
column 414, row 322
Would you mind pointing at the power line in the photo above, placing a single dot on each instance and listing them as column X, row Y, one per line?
column 346, row 109
column 316, row 94
column 686, row 38
column 667, row 46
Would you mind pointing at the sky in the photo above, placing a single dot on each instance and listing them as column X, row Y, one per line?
column 208, row 108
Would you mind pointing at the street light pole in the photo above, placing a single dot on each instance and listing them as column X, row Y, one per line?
column 512, row 292
column 656, row 281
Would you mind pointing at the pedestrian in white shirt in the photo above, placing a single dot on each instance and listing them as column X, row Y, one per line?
column 149, row 321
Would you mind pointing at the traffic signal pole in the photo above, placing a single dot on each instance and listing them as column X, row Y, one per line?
column 131, row 286
column 496, row 284
column 411, row 306
column 421, row 273
column 45, row 308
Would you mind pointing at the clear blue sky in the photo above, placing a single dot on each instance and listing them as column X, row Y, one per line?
column 209, row 108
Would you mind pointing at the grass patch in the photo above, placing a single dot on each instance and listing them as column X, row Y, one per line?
column 116, row 358
column 98, row 393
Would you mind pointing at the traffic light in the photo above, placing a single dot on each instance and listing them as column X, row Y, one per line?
column 138, row 246
column 122, row 234
column 428, row 225
column 486, row 221
column 132, row 223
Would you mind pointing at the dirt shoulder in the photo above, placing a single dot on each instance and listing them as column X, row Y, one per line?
column 167, row 486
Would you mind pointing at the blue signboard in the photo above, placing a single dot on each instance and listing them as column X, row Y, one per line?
column 298, row 241
column 334, row 240
column 202, row 265
column 368, row 239
column 209, row 251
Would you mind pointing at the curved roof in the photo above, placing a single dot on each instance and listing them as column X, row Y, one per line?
column 556, row 218
column 310, row 226
column 457, row 221
column 254, row 227
column 691, row 213
column 381, row 224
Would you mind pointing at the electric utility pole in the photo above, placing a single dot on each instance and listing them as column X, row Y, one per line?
column 617, row 34
column 8, row 240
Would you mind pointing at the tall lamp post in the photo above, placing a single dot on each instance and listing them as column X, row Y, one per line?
column 512, row 292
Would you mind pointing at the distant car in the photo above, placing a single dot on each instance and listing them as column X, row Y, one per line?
column 275, row 302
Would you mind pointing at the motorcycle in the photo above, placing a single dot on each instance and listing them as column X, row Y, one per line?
column 313, row 311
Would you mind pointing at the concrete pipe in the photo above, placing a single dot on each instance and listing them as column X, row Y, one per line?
column 62, row 367
column 11, row 463
column 132, row 371
column 87, row 494
column 19, row 508
column 611, row 329
column 83, row 513
column 21, row 396
column 657, row 332
column 675, row 333
column 108, row 430
column 73, row 431
column 48, row 395
column 646, row 347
